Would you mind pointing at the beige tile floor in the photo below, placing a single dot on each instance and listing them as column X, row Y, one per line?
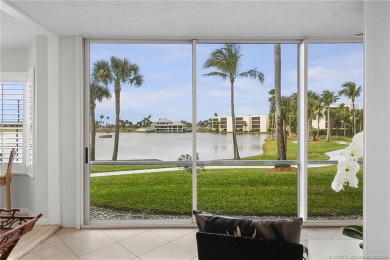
column 179, row 243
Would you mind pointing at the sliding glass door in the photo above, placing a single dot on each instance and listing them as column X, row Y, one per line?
column 140, row 96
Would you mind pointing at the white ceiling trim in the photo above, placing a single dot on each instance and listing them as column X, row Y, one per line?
column 205, row 21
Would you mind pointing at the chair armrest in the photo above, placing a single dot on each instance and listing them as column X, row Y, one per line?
column 10, row 238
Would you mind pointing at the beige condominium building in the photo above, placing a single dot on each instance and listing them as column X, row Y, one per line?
column 164, row 125
column 257, row 123
column 323, row 123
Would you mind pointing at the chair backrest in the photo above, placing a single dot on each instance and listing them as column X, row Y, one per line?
column 8, row 175
column 9, row 239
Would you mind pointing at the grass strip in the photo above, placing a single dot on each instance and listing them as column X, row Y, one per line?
column 226, row 191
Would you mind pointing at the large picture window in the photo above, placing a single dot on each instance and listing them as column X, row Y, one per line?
column 218, row 127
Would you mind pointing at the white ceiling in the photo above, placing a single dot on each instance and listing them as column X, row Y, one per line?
column 168, row 19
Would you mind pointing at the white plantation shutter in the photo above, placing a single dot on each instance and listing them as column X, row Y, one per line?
column 11, row 117
column 28, row 122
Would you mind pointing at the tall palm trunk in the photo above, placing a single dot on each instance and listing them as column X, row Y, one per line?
column 328, row 128
column 278, row 106
column 318, row 126
column 345, row 129
column 344, row 123
column 117, row 89
column 235, row 147
column 354, row 117
column 93, row 130
column 272, row 125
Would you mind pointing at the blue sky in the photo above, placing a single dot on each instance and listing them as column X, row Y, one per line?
column 166, row 91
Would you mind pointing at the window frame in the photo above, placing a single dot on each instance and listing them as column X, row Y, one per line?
column 24, row 78
column 302, row 161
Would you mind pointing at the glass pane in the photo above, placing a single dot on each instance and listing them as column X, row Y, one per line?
column 250, row 123
column 131, row 192
column 155, row 86
column 326, row 204
column 335, row 115
column 248, row 191
column 252, row 80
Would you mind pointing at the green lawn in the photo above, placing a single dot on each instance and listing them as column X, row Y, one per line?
column 229, row 191
column 244, row 192
column 316, row 150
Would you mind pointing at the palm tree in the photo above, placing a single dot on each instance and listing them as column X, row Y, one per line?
column 351, row 92
column 319, row 108
column 328, row 98
column 244, row 124
column 312, row 100
column 280, row 133
column 97, row 93
column 271, row 101
column 102, row 117
column 287, row 109
column 226, row 61
column 117, row 71
column 359, row 119
column 345, row 117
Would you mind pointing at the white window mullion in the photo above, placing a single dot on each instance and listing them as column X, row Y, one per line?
column 302, row 129
column 194, row 152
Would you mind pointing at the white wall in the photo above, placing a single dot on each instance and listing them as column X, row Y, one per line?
column 377, row 129
column 70, row 129
column 14, row 60
column 41, row 125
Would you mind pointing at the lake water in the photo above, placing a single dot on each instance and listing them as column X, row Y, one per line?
column 169, row 146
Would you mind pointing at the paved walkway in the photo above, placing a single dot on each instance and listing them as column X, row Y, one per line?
column 333, row 156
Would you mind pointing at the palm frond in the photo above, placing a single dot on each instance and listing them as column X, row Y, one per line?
column 101, row 72
column 217, row 73
column 253, row 73
column 137, row 80
column 98, row 92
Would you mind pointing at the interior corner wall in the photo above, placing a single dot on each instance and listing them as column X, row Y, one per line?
column 377, row 130
column 68, row 141
column 31, row 192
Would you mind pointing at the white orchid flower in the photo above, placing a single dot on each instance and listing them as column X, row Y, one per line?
column 348, row 167
column 346, row 175
column 338, row 183
column 352, row 152
column 358, row 139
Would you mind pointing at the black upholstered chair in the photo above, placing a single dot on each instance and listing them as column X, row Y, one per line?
column 212, row 246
